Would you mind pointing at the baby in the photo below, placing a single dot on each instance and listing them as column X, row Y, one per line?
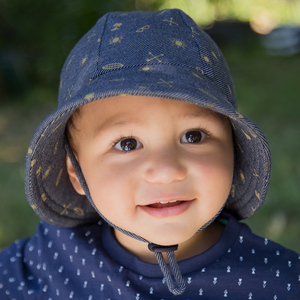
column 142, row 173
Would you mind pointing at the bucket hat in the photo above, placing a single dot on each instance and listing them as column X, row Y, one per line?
column 158, row 54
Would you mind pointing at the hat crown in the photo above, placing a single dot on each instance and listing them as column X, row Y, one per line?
column 123, row 40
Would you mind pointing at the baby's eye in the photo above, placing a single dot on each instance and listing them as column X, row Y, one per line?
column 193, row 136
column 128, row 144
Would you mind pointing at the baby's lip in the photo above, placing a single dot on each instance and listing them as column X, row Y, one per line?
column 167, row 207
column 167, row 201
column 163, row 204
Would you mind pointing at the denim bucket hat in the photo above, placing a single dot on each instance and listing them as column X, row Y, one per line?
column 159, row 54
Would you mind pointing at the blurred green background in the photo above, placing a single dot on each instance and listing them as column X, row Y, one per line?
column 36, row 36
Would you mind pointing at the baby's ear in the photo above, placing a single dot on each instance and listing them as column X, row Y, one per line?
column 73, row 177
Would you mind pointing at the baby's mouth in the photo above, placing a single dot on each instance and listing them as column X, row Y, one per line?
column 171, row 208
column 165, row 204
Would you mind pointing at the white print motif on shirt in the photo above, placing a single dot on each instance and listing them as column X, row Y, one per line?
column 79, row 264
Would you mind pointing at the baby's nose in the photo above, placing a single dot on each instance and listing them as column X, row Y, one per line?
column 165, row 167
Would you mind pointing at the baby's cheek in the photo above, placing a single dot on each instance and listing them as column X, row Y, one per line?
column 214, row 174
column 205, row 166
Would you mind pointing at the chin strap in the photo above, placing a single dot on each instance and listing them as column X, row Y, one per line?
column 173, row 275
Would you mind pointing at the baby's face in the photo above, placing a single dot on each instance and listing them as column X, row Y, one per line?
column 156, row 167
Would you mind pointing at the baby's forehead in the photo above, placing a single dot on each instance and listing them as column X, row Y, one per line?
column 120, row 105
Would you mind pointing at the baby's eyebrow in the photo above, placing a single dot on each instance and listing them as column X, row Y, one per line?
column 201, row 115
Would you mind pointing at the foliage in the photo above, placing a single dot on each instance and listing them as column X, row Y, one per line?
column 268, row 92
column 47, row 30
column 208, row 11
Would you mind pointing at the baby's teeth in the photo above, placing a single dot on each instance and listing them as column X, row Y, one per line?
column 162, row 202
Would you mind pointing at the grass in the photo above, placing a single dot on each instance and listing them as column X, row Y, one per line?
column 267, row 89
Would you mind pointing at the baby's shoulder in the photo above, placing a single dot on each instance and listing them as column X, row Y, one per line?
column 265, row 256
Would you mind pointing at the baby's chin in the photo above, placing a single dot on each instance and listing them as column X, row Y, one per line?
column 172, row 237
column 190, row 242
